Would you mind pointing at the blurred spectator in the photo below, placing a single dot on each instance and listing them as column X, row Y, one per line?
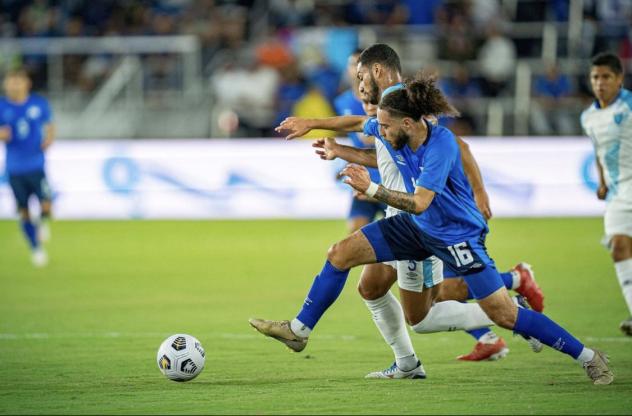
column 549, row 110
column 377, row 12
column 456, row 41
column 463, row 92
column 497, row 60
column 422, row 12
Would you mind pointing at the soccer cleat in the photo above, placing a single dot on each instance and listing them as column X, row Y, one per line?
column 486, row 352
column 39, row 258
column 394, row 372
column 279, row 330
column 597, row 369
column 535, row 344
column 528, row 287
column 626, row 326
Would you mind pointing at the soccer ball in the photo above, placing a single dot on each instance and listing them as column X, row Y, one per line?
column 181, row 357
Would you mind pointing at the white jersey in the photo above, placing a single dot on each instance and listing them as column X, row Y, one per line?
column 610, row 130
column 390, row 176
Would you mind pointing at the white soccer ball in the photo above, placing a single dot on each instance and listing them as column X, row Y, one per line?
column 181, row 357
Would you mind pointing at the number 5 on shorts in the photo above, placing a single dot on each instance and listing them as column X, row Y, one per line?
column 461, row 253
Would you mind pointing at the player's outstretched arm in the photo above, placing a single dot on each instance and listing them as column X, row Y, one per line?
column 298, row 126
column 358, row 178
column 328, row 149
column 475, row 178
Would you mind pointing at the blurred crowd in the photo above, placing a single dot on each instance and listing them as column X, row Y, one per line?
column 264, row 63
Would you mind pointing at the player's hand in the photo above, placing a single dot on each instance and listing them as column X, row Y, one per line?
column 326, row 148
column 482, row 202
column 357, row 177
column 296, row 127
column 602, row 192
column 5, row 133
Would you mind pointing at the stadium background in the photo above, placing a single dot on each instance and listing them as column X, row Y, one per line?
column 165, row 109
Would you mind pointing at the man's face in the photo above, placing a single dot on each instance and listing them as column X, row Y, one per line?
column 369, row 90
column 16, row 85
column 605, row 83
column 391, row 129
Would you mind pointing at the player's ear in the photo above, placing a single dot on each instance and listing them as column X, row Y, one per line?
column 377, row 70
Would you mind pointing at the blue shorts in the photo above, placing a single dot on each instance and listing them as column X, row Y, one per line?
column 400, row 238
column 25, row 185
column 366, row 209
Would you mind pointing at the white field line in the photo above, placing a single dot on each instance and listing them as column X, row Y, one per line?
column 226, row 335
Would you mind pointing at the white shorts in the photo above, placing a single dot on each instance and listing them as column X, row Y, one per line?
column 617, row 221
column 417, row 275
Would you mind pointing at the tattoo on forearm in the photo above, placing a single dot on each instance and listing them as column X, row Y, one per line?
column 395, row 199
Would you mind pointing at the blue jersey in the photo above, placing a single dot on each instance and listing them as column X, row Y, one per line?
column 452, row 216
column 347, row 104
column 26, row 122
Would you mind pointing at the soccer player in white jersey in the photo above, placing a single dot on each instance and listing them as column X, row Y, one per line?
column 608, row 123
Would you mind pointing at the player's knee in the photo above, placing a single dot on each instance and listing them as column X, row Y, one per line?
column 24, row 214
column 415, row 317
column 371, row 290
column 503, row 317
column 337, row 256
column 621, row 249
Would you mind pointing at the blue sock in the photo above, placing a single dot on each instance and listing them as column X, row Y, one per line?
column 507, row 279
column 537, row 325
column 30, row 232
column 325, row 290
column 478, row 333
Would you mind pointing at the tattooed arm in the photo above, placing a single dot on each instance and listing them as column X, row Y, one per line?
column 358, row 178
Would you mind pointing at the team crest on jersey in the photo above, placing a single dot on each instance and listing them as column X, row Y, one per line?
column 619, row 117
column 33, row 112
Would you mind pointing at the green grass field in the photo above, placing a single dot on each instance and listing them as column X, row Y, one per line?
column 81, row 335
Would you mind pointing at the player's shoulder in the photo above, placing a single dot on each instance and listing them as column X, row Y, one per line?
column 626, row 98
column 443, row 137
column 585, row 115
column 38, row 99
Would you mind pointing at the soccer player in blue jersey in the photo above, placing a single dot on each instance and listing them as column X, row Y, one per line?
column 378, row 70
column 608, row 122
column 26, row 128
column 363, row 210
column 441, row 218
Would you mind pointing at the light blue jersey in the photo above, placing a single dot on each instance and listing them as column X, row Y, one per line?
column 26, row 121
column 452, row 216
column 610, row 130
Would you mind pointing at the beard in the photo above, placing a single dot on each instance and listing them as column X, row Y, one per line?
column 400, row 140
column 373, row 97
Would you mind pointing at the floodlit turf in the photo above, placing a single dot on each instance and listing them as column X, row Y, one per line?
column 81, row 335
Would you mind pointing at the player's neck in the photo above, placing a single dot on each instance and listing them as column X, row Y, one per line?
column 605, row 102
column 419, row 136
column 391, row 78
column 18, row 98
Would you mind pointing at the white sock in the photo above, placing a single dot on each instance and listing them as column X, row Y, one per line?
column 488, row 338
column 516, row 280
column 451, row 316
column 299, row 328
column 624, row 274
column 585, row 356
column 388, row 316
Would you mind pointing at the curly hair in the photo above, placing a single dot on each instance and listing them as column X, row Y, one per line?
column 418, row 98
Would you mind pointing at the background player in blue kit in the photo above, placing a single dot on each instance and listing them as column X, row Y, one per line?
column 363, row 210
column 26, row 128
column 441, row 218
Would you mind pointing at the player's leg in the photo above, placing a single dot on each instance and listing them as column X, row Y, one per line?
column 621, row 246
column 44, row 195
column 21, row 190
column 375, row 282
column 380, row 241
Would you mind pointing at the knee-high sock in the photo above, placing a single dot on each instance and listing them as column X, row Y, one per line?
column 452, row 315
column 388, row 316
column 30, row 232
column 539, row 326
column 624, row 274
column 324, row 292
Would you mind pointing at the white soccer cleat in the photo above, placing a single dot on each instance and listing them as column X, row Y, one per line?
column 39, row 258
column 394, row 372
column 44, row 232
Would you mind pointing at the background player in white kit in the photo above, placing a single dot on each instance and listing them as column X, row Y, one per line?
column 608, row 123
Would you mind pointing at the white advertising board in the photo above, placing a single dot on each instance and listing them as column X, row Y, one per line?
column 271, row 178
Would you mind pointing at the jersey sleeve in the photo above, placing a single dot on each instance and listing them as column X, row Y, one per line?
column 438, row 161
column 372, row 127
